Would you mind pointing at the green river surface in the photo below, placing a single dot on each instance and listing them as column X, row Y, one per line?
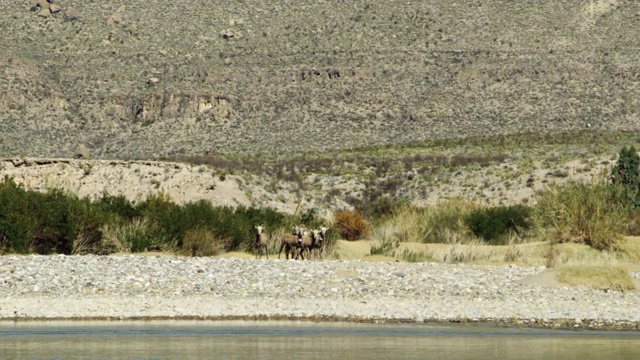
column 304, row 340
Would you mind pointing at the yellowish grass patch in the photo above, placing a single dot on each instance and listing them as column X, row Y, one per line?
column 597, row 277
column 351, row 250
column 630, row 249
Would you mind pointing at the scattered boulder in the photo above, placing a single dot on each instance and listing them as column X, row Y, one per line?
column 44, row 13
column 226, row 34
column 133, row 30
column 82, row 152
column 153, row 81
column 71, row 14
column 36, row 5
column 54, row 8
column 116, row 18
column 45, row 8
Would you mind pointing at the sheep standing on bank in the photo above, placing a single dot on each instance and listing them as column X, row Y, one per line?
column 292, row 241
column 261, row 242
column 307, row 242
column 318, row 247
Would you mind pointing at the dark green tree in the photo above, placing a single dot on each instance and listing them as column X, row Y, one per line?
column 626, row 173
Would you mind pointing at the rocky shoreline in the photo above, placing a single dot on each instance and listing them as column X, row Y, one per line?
column 37, row 288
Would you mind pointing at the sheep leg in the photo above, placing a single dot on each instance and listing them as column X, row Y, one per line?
column 280, row 251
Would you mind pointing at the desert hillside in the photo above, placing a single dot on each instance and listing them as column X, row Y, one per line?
column 148, row 79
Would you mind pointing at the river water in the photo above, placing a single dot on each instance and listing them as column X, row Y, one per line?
column 304, row 340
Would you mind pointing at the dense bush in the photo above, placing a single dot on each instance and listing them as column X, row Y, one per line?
column 626, row 172
column 593, row 214
column 15, row 219
column 350, row 224
column 59, row 222
column 45, row 222
column 117, row 205
column 494, row 224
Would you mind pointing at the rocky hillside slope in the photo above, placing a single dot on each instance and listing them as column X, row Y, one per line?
column 156, row 78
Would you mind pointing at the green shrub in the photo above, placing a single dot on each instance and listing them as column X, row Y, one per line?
column 60, row 222
column 232, row 227
column 117, row 205
column 594, row 214
column 52, row 222
column 15, row 220
column 384, row 206
column 155, row 206
column 494, row 224
column 626, row 173
column 88, row 219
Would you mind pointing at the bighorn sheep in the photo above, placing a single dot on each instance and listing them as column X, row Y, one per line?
column 307, row 242
column 261, row 242
column 290, row 241
column 319, row 244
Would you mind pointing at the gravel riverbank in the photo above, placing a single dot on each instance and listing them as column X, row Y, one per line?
column 158, row 287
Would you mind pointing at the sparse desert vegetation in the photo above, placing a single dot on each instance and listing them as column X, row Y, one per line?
column 139, row 80
column 435, row 131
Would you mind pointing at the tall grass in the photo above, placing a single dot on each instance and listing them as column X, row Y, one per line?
column 129, row 236
column 443, row 223
column 594, row 214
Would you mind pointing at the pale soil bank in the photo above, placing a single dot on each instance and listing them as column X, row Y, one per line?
column 168, row 287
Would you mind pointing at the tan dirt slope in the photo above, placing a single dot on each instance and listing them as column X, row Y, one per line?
column 145, row 79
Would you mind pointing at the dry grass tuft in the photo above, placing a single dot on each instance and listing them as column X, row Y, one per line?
column 201, row 242
column 127, row 237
